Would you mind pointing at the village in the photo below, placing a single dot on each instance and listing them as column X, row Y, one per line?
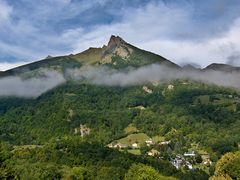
column 157, row 147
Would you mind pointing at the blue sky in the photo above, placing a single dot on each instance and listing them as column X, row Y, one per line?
column 184, row 31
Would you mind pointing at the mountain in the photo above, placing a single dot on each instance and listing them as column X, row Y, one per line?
column 179, row 129
column 190, row 67
column 222, row 67
column 117, row 54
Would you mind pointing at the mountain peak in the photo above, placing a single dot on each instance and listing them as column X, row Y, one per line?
column 222, row 67
column 115, row 41
column 48, row 57
column 117, row 46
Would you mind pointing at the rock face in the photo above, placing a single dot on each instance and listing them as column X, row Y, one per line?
column 83, row 130
column 115, row 41
column 117, row 46
column 123, row 53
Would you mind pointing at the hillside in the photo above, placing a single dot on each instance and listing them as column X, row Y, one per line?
column 191, row 116
column 173, row 129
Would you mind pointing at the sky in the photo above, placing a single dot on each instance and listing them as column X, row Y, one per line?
column 183, row 31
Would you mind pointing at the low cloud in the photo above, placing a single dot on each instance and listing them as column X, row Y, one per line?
column 155, row 72
column 30, row 87
column 234, row 59
column 47, row 80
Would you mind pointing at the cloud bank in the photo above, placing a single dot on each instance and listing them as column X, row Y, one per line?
column 155, row 72
column 47, row 80
column 31, row 87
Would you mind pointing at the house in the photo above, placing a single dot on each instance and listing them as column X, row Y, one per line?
column 150, row 153
column 147, row 90
column 110, row 145
column 206, row 159
column 207, row 162
column 155, row 83
column 120, row 146
column 189, row 154
column 164, row 142
column 170, row 87
column 153, row 152
column 189, row 165
column 149, row 142
column 140, row 107
column 135, row 145
column 178, row 162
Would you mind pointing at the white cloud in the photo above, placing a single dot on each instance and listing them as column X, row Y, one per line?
column 216, row 49
column 56, row 10
column 28, row 41
column 5, row 12
column 154, row 72
column 32, row 87
column 156, row 28
column 170, row 31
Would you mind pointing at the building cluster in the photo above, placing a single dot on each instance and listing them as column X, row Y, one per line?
column 183, row 160
column 136, row 145
column 180, row 161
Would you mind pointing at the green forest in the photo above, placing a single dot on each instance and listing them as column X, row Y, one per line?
column 43, row 138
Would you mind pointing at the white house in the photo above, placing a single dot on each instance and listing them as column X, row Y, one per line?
column 189, row 165
column 119, row 145
column 164, row 142
column 189, row 154
column 149, row 142
column 178, row 162
column 153, row 152
column 135, row 145
column 170, row 87
column 147, row 90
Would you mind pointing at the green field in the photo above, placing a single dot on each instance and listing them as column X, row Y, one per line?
column 134, row 151
column 157, row 139
column 139, row 138
column 131, row 128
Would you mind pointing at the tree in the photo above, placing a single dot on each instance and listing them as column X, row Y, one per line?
column 229, row 165
column 198, row 159
column 143, row 172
